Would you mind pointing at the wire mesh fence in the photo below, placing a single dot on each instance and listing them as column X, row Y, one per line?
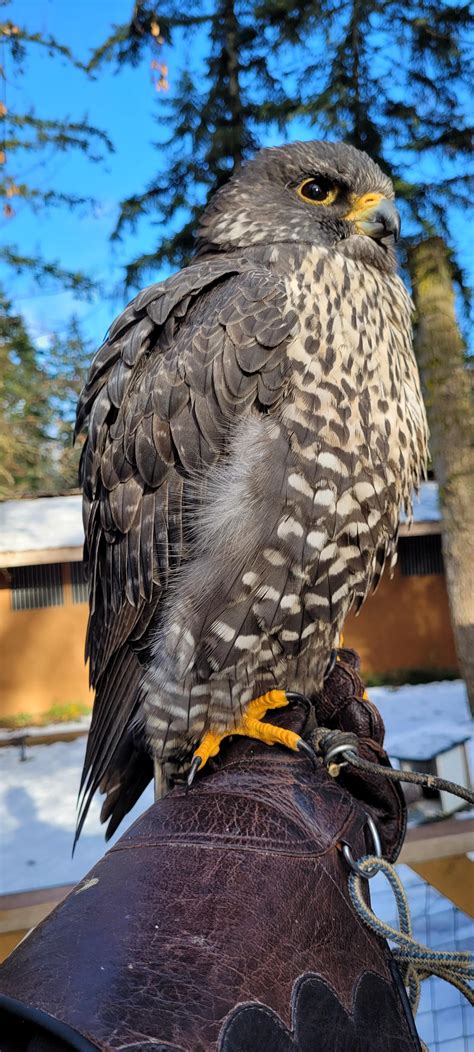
column 445, row 1021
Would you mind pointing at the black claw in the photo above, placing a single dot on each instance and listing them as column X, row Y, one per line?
column 301, row 699
column 305, row 747
column 330, row 664
column 194, row 768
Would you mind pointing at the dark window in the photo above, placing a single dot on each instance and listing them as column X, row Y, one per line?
column 420, row 555
column 79, row 584
column 36, row 586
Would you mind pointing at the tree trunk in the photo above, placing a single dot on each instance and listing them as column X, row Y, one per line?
column 448, row 395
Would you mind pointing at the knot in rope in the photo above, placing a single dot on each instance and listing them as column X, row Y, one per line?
column 332, row 743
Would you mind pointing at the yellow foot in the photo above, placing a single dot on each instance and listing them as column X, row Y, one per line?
column 252, row 727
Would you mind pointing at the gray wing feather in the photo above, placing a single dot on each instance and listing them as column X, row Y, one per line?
column 183, row 360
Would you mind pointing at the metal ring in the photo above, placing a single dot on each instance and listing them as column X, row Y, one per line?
column 346, row 851
column 336, row 749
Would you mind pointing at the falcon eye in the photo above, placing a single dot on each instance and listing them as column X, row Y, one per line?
column 317, row 191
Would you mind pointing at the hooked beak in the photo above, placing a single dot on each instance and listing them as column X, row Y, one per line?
column 375, row 216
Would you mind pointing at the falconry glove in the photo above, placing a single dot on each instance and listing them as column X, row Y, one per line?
column 221, row 921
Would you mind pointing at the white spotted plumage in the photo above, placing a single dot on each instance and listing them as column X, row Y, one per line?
column 255, row 427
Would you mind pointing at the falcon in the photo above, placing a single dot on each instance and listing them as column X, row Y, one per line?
column 254, row 428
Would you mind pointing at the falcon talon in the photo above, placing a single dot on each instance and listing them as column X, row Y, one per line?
column 304, row 746
column 330, row 665
column 193, row 770
column 293, row 696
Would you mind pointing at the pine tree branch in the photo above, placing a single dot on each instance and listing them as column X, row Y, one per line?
column 129, row 40
column 19, row 36
column 62, row 134
column 42, row 198
column 45, row 273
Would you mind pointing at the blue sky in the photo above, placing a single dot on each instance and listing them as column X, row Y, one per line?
column 124, row 106
column 128, row 108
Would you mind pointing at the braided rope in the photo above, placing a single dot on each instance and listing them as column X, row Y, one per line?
column 328, row 742
column 415, row 960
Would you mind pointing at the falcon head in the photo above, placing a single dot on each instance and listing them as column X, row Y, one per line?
column 319, row 193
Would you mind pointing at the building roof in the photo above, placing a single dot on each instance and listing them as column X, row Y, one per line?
column 424, row 744
column 41, row 529
column 52, row 526
column 426, row 504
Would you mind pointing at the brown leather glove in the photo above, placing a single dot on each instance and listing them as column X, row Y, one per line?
column 221, row 921
column 344, row 706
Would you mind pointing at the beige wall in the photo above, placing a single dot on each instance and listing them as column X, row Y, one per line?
column 42, row 654
column 405, row 625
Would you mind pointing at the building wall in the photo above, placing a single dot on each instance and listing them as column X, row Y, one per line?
column 405, row 625
column 42, row 652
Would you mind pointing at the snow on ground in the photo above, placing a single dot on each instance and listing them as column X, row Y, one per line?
column 38, row 795
column 424, row 711
column 38, row 810
column 38, row 816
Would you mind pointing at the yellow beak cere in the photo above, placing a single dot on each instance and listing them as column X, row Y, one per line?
column 364, row 204
column 375, row 216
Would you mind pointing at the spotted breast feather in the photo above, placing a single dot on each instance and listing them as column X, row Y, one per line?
column 254, row 427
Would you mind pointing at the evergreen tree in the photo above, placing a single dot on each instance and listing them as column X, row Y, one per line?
column 38, row 396
column 391, row 79
column 24, row 408
column 65, row 363
column 25, row 136
column 214, row 115
column 143, row 35
column 38, row 389
column 448, row 394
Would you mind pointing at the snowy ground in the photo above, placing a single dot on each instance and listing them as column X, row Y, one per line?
column 38, row 810
column 422, row 712
column 38, row 795
column 38, row 815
